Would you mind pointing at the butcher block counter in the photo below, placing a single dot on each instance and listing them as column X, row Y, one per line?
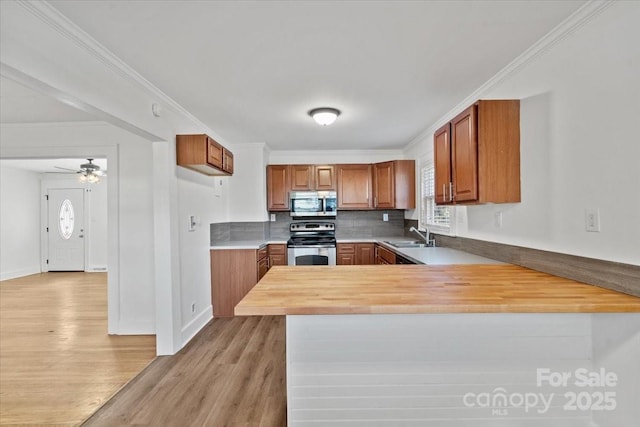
column 452, row 346
column 412, row 289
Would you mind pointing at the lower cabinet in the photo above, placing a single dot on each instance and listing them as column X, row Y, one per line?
column 277, row 254
column 384, row 255
column 263, row 262
column 355, row 254
column 234, row 272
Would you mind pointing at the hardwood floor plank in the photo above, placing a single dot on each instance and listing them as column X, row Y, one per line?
column 231, row 374
column 57, row 363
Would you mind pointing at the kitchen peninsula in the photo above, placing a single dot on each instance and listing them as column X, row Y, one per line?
column 413, row 344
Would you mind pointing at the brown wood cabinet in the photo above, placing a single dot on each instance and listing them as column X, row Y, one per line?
column 477, row 155
column 203, row 154
column 394, row 185
column 277, row 254
column 354, row 186
column 325, row 177
column 262, row 264
column 312, row 177
column 227, row 161
column 346, row 254
column 278, row 187
column 301, row 177
column 234, row 272
column 384, row 255
column 355, row 254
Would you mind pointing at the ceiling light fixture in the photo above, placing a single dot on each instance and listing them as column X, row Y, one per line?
column 324, row 116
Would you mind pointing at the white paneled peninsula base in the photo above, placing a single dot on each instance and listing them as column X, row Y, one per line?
column 452, row 346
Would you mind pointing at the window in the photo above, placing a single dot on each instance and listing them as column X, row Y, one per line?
column 437, row 218
column 65, row 226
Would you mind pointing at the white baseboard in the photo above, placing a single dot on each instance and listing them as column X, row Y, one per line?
column 192, row 328
column 136, row 327
column 97, row 269
column 6, row 275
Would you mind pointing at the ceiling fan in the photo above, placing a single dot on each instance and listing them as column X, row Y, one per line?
column 89, row 172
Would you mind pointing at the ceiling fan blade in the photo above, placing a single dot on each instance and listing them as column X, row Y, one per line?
column 66, row 169
column 100, row 172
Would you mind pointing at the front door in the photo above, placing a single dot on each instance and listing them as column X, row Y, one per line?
column 66, row 229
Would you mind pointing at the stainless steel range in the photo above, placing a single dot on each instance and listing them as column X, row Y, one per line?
column 312, row 243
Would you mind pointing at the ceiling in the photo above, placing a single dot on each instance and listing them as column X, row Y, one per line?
column 19, row 104
column 251, row 70
column 50, row 165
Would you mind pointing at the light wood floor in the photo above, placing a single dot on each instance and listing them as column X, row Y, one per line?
column 231, row 374
column 57, row 363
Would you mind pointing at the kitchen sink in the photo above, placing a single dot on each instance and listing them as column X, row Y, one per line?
column 404, row 244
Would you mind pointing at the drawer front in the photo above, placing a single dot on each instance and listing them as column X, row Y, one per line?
column 262, row 253
column 277, row 249
column 346, row 248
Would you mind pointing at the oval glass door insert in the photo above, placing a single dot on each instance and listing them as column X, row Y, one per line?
column 65, row 226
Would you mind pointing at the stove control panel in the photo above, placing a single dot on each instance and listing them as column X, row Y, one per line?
column 312, row 226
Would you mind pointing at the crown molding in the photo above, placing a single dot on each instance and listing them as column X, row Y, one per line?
column 577, row 19
column 50, row 16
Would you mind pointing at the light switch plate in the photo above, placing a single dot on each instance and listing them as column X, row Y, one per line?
column 592, row 220
column 273, row 217
column 192, row 223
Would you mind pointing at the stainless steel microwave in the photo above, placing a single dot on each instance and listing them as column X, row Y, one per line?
column 313, row 203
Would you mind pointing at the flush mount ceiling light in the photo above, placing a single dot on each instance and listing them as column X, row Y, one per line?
column 324, row 116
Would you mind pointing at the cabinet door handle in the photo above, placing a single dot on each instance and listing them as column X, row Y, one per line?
column 375, row 202
column 444, row 193
column 450, row 191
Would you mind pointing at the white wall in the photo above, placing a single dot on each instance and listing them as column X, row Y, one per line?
column 247, row 187
column 579, row 143
column 98, row 218
column 302, row 157
column 19, row 223
column 203, row 197
column 131, row 172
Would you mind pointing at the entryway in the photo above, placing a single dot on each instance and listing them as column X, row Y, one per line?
column 65, row 229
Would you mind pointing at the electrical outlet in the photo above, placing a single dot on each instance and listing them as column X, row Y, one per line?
column 592, row 220
column 497, row 219
column 273, row 217
column 385, row 217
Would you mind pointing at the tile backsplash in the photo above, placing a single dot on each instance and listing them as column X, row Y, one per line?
column 349, row 224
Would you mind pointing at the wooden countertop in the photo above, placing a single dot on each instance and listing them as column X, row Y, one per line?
column 409, row 289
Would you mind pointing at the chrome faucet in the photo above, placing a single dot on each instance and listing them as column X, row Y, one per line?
column 424, row 237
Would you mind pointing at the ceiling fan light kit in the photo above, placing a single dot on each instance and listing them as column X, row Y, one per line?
column 89, row 172
column 324, row 116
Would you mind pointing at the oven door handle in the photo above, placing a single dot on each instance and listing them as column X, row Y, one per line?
column 312, row 246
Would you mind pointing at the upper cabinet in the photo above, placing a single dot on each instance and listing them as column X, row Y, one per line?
column 354, row 186
column 278, row 187
column 203, row 154
column 312, row 177
column 301, row 177
column 387, row 185
column 394, row 185
column 477, row 155
column 325, row 177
